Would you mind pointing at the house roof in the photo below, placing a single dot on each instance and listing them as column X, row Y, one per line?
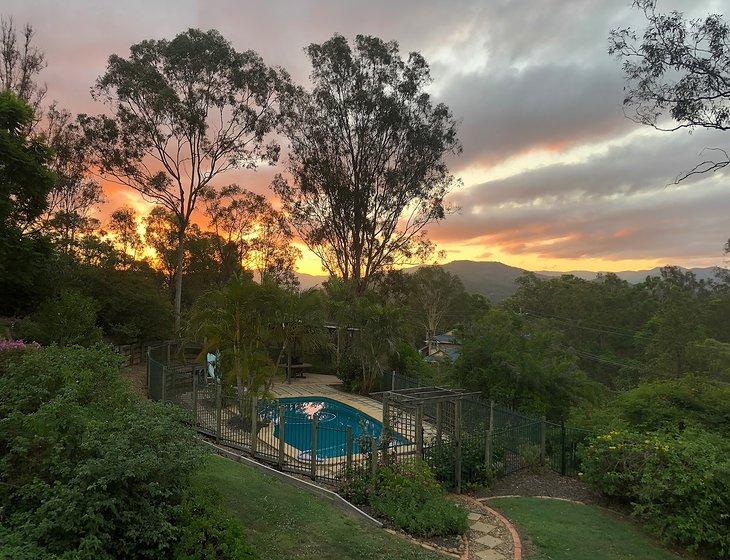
column 445, row 338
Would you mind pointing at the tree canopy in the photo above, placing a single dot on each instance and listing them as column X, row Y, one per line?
column 678, row 75
column 366, row 157
column 183, row 111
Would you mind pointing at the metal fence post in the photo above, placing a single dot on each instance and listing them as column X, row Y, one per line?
column 457, row 437
column 490, row 437
column 218, row 410
column 163, row 377
column 392, row 381
column 562, row 448
column 348, row 463
column 439, row 421
column 282, row 435
column 254, row 425
column 195, row 398
column 419, row 432
column 543, row 427
column 373, row 455
column 168, row 352
column 313, row 452
column 148, row 372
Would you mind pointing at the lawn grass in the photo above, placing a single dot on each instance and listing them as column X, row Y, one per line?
column 282, row 522
column 560, row 530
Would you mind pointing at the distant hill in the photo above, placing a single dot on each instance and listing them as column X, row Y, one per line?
column 635, row 276
column 496, row 280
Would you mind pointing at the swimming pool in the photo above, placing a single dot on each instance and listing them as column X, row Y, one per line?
column 333, row 418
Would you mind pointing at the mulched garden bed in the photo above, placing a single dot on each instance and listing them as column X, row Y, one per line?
column 543, row 483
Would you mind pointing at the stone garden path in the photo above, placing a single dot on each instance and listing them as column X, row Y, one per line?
column 491, row 536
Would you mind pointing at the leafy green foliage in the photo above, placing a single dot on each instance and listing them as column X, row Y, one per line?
column 664, row 404
column 474, row 470
column 208, row 532
column 66, row 320
column 408, row 495
column 678, row 483
column 237, row 322
column 25, row 180
column 130, row 306
column 521, row 363
column 378, row 329
column 89, row 471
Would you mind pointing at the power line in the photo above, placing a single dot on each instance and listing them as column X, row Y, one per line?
column 605, row 330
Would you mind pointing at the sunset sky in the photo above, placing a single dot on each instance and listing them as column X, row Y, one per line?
column 554, row 176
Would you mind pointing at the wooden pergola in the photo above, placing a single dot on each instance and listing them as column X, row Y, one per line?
column 404, row 411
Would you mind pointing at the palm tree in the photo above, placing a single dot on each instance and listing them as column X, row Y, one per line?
column 299, row 323
column 236, row 322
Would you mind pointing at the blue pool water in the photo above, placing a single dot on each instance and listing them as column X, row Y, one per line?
column 333, row 418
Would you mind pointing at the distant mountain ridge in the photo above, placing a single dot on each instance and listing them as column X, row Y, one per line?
column 496, row 280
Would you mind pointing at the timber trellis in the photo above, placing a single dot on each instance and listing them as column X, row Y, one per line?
column 452, row 430
column 507, row 440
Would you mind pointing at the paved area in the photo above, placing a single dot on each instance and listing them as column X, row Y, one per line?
column 488, row 537
column 318, row 385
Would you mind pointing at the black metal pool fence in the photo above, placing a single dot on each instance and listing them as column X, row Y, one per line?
column 481, row 434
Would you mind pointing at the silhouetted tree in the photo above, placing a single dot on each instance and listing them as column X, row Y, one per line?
column 183, row 112
column 678, row 75
column 366, row 157
column 251, row 232
column 123, row 224
column 20, row 64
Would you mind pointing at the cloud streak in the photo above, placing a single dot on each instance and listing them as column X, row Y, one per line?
column 538, row 98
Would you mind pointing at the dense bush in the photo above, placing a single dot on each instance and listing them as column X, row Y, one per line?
column 666, row 404
column 67, row 319
column 474, row 471
column 89, row 471
column 12, row 351
column 408, row 495
column 678, row 483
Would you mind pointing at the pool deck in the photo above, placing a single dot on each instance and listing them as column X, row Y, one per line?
column 319, row 385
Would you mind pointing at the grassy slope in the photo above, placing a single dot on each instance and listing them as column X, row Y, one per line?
column 283, row 523
column 561, row 530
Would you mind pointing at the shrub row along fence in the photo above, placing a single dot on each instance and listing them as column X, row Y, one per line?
column 487, row 434
column 458, row 441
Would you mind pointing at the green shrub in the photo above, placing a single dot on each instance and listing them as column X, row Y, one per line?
column 89, row 471
column 474, row 471
column 409, row 496
column 666, row 404
column 530, row 456
column 207, row 532
column 66, row 320
column 678, row 483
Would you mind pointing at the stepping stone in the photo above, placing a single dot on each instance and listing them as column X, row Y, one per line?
column 483, row 527
column 489, row 540
column 489, row 554
column 475, row 516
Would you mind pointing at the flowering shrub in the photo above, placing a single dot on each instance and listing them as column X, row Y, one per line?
column 678, row 483
column 11, row 350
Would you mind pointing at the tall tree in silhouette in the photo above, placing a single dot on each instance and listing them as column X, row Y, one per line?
column 183, row 112
column 366, row 157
